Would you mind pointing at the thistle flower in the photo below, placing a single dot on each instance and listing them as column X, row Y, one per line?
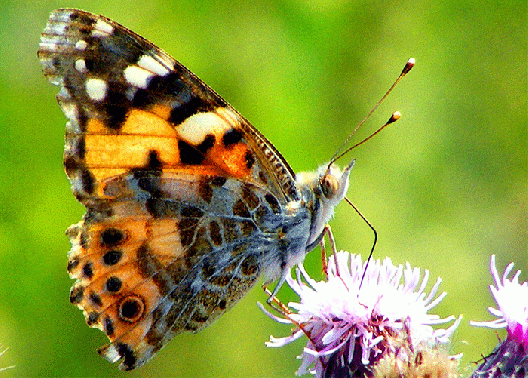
column 357, row 318
column 510, row 357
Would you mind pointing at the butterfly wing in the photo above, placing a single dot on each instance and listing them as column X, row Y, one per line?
column 182, row 194
column 125, row 98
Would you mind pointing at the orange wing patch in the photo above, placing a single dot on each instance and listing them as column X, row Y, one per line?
column 119, row 281
column 208, row 143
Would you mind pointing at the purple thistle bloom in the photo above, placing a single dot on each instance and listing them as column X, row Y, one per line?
column 353, row 322
column 510, row 357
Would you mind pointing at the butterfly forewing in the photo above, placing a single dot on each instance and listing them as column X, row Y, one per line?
column 131, row 105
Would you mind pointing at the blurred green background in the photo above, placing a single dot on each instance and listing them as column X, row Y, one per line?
column 446, row 186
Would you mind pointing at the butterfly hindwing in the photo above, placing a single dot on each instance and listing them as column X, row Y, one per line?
column 143, row 279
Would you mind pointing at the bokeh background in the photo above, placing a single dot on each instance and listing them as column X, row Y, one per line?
column 446, row 186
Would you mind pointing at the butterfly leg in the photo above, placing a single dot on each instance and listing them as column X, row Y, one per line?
column 273, row 295
column 327, row 231
column 276, row 304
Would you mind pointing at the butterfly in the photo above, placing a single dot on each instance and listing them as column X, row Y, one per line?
column 187, row 204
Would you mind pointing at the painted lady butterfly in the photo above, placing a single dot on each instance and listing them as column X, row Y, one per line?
column 187, row 203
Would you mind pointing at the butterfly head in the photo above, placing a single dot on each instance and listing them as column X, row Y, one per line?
column 322, row 191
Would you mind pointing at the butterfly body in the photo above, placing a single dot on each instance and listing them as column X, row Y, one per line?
column 187, row 203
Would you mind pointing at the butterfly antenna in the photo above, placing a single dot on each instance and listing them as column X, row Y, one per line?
column 393, row 118
column 408, row 66
column 373, row 244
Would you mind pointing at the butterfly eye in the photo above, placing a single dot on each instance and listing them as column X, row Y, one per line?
column 329, row 186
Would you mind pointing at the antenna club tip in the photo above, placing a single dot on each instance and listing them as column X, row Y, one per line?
column 408, row 66
column 394, row 117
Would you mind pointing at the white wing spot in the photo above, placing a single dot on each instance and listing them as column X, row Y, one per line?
column 81, row 45
column 195, row 128
column 102, row 29
column 80, row 65
column 166, row 61
column 48, row 44
column 70, row 110
column 151, row 64
column 56, row 28
column 111, row 354
column 64, row 15
column 96, row 89
column 137, row 76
